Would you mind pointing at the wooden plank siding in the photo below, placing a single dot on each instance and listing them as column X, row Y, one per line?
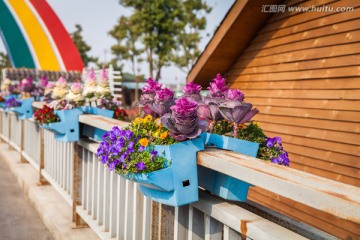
column 302, row 71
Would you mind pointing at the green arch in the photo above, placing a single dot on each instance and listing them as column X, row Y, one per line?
column 18, row 50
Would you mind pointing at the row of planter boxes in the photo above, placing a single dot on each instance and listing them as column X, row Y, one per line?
column 175, row 185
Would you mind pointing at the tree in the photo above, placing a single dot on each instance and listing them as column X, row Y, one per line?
column 127, row 46
column 4, row 60
column 187, row 50
column 168, row 31
column 157, row 23
column 82, row 46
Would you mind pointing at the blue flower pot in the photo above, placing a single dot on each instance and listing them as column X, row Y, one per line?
column 218, row 183
column 177, row 184
column 67, row 130
column 93, row 132
column 2, row 104
column 25, row 111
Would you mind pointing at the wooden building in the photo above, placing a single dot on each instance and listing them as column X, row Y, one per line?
column 301, row 69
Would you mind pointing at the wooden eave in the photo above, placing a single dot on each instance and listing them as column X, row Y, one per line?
column 239, row 27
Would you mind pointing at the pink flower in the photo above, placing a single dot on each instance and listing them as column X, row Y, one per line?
column 151, row 87
column 61, row 82
column 91, row 74
column 104, row 76
column 235, row 94
column 76, row 88
column 192, row 88
column 218, row 87
column 164, row 94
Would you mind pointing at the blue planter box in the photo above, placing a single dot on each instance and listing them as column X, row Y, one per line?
column 2, row 104
column 93, row 132
column 67, row 130
column 177, row 184
column 218, row 183
column 25, row 111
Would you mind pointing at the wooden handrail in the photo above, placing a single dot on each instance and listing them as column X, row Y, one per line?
column 333, row 197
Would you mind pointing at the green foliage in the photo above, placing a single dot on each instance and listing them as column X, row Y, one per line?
column 222, row 127
column 168, row 31
column 82, row 46
column 4, row 60
column 194, row 22
column 251, row 132
column 127, row 35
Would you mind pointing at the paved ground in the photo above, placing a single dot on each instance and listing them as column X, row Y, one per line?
column 18, row 219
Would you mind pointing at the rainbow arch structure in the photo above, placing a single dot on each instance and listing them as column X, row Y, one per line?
column 35, row 37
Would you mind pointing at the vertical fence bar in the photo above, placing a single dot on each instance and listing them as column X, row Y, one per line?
column 42, row 180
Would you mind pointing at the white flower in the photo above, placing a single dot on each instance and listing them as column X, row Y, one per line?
column 74, row 97
column 59, row 92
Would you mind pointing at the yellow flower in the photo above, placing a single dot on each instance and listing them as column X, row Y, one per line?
column 138, row 120
column 147, row 119
column 144, row 142
column 257, row 124
column 156, row 134
column 163, row 135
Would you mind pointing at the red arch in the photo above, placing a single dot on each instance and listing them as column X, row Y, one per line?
column 67, row 49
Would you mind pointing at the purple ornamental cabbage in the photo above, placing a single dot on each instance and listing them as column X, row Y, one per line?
column 26, row 85
column 183, row 122
column 235, row 94
column 237, row 112
column 218, row 87
column 148, row 96
column 192, row 92
column 163, row 100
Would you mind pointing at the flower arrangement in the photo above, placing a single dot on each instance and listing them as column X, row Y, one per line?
column 46, row 115
column 63, row 104
column 90, row 87
column 120, row 114
column 26, row 86
column 48, row 92
column 103, row 88
column 75, row 94
column 124, row 152
column 228, row 114
column 61, row 89
column 12, row 102
column 39, row 89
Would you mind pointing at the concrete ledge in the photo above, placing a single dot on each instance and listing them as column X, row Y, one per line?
column 53, row 209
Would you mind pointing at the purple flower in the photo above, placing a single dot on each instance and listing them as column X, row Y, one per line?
column 140, row 166
column 153, row 154
column 192, row 88
column 152, row 86
column 235, row 94
column 104, row 159
column 12, row 102
column 123, row 157
column 218, row 87
column 113, row 164
column 141, row 149
column 273, row 141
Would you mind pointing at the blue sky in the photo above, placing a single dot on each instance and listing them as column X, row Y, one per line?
column 98, row 17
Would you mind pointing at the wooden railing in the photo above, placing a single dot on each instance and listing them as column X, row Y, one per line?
column 114, row 208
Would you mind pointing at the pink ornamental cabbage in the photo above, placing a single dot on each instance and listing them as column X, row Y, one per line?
column 235, row 94
column 76, row 88
column 218, row 87
column 152, row 86
column 164, row 94
column 61, row 82
column 192, row 92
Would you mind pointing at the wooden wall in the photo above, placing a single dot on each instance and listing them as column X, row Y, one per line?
column 302, row 72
